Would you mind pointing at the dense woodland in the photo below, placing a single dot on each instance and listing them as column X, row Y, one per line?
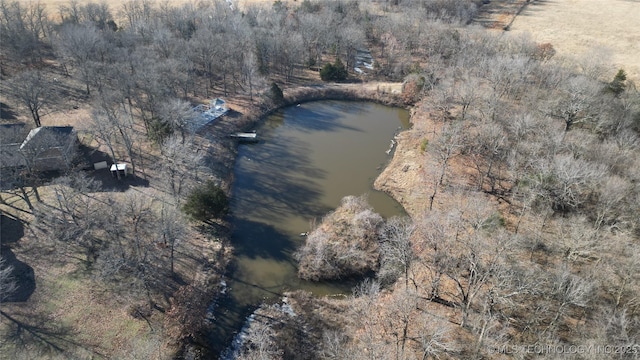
column 524, row 226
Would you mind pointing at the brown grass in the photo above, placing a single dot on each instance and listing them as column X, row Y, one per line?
column 580, row 28
column 498, row 14
column 84, row 317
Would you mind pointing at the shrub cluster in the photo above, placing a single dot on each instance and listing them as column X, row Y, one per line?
column 276, row 94
column 206, row 202
column 344, row 245
column 334, row 72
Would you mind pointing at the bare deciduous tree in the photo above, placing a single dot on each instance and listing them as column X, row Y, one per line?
column 177, row 114
column 396, row 249
column 466, row 94
column 114, row 125
column 567, row 181
column 172, row 230
column 489, row 150
column 180, row 164
column 398, row 323
column 23, row 29
column 75, row 220
column 133, row 257
column 434, row 336
column 612, row 196
column 104, row 131
column 575, row 104
column 83, row 46
column 567, row 290
column 467, row 250
column 446, row 146
column 260, row 343
column 33, row 91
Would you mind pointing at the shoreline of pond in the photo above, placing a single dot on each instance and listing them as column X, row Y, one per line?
column 388, row 94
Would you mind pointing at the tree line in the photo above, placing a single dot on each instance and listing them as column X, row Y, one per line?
column 156, row 53
column 554, row 143
column 524, row 230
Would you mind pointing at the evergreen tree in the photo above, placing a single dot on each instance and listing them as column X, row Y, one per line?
column 617, row 85
column 334, row 72
column 206, row 202
column 276, row 94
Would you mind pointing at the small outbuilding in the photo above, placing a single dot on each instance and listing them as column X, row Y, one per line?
column 205, row 114
column 119, row 170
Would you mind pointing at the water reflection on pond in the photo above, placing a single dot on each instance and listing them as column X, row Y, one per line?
column 308, row 158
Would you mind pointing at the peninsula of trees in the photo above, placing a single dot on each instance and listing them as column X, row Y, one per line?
column 519, row 177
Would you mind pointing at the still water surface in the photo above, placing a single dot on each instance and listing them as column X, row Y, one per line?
column 308, row 158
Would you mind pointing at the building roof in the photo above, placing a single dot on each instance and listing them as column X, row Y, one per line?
column 10, row 156
column 12, row 133
column 11, row 136
column 48, row 136
column 207, row 113
column 43, row 143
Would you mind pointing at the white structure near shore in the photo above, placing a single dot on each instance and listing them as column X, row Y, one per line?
column 205, row 114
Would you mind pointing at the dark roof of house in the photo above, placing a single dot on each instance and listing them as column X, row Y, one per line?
column 10, row 156
column 48, row 136
column 39, row 141
column 12, row 133
column 11, row 136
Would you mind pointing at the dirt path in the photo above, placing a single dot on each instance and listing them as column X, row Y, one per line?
column 499, row 14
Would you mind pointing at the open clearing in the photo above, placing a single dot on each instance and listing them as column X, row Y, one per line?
column 607, row 29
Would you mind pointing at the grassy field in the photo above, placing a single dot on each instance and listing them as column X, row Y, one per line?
column 607, row 30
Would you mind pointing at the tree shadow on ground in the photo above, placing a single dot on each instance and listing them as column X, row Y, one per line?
column 22, row 274
column 11, row 229
column 86, row 159
column 499, row 14
column 6, row 112
column 26, row 332
column 110, row 183
column 87, row 156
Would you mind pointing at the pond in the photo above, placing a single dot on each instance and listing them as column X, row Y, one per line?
column 308, row 158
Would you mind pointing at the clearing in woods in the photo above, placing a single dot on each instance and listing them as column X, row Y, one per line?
column 607, row 30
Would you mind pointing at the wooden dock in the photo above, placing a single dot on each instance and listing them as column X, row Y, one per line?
column 248, row 137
